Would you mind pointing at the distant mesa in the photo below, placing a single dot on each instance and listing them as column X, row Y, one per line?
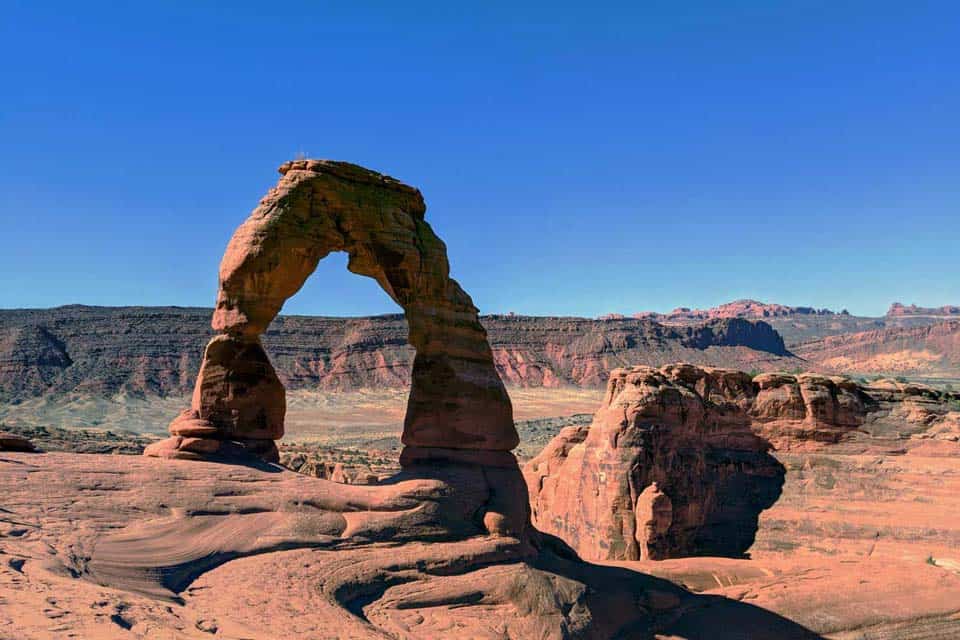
column 925, row 348
column 899, row 310
column 93, row 352
column 749, row 309
column 146, row 352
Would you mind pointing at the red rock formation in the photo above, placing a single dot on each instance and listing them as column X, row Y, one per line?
column 457, row 400
column 675, row 462
column 790, row 410
column 654, row 515
column 750, row 309
column 898, row 310
column 929, row 349
column 668, row 467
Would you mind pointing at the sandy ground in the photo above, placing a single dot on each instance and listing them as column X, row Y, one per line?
column 333, row 419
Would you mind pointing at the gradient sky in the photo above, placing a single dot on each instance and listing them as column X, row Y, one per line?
column 577, row 159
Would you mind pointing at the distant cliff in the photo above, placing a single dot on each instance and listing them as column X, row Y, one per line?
column 749, row 309
column 901, row 310
column 155, row 351
column 932, row 349
column 801, row 324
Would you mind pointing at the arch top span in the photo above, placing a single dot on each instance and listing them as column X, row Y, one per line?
column 457, row 400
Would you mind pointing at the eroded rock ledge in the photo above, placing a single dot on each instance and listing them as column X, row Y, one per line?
column 676, row 462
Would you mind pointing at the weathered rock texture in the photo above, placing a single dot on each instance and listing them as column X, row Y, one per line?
column 108, row 547
column 668, row 467
column 676, row 460
column 457, row 400
column 807, row 411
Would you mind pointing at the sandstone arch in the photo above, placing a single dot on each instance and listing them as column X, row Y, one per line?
column 457, row 400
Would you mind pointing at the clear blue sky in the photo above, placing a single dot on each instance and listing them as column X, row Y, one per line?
column 578, row 158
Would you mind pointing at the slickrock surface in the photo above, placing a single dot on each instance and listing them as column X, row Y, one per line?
column 95, row 546
column 860, row 545
column 456, row 401
column 702, row 436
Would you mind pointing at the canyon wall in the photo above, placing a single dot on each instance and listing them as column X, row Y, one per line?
column 932, row 349
column 155, row 351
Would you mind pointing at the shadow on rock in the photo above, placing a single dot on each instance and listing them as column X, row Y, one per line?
column 627, row 604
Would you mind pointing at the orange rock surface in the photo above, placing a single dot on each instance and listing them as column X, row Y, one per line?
column 705, row 439
column 116, row 547
column 668, row 467
column 457, row 400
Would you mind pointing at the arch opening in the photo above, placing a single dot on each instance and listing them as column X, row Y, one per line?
column 354, row 296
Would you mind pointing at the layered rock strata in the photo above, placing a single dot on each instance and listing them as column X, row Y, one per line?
column 931, row 350
column 134, row 352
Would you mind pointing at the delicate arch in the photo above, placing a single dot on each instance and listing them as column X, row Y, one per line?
column 456, row 401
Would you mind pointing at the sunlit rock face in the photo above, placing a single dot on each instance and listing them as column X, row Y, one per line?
column 457, row 400
column 669, row 467
column 676, row 460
